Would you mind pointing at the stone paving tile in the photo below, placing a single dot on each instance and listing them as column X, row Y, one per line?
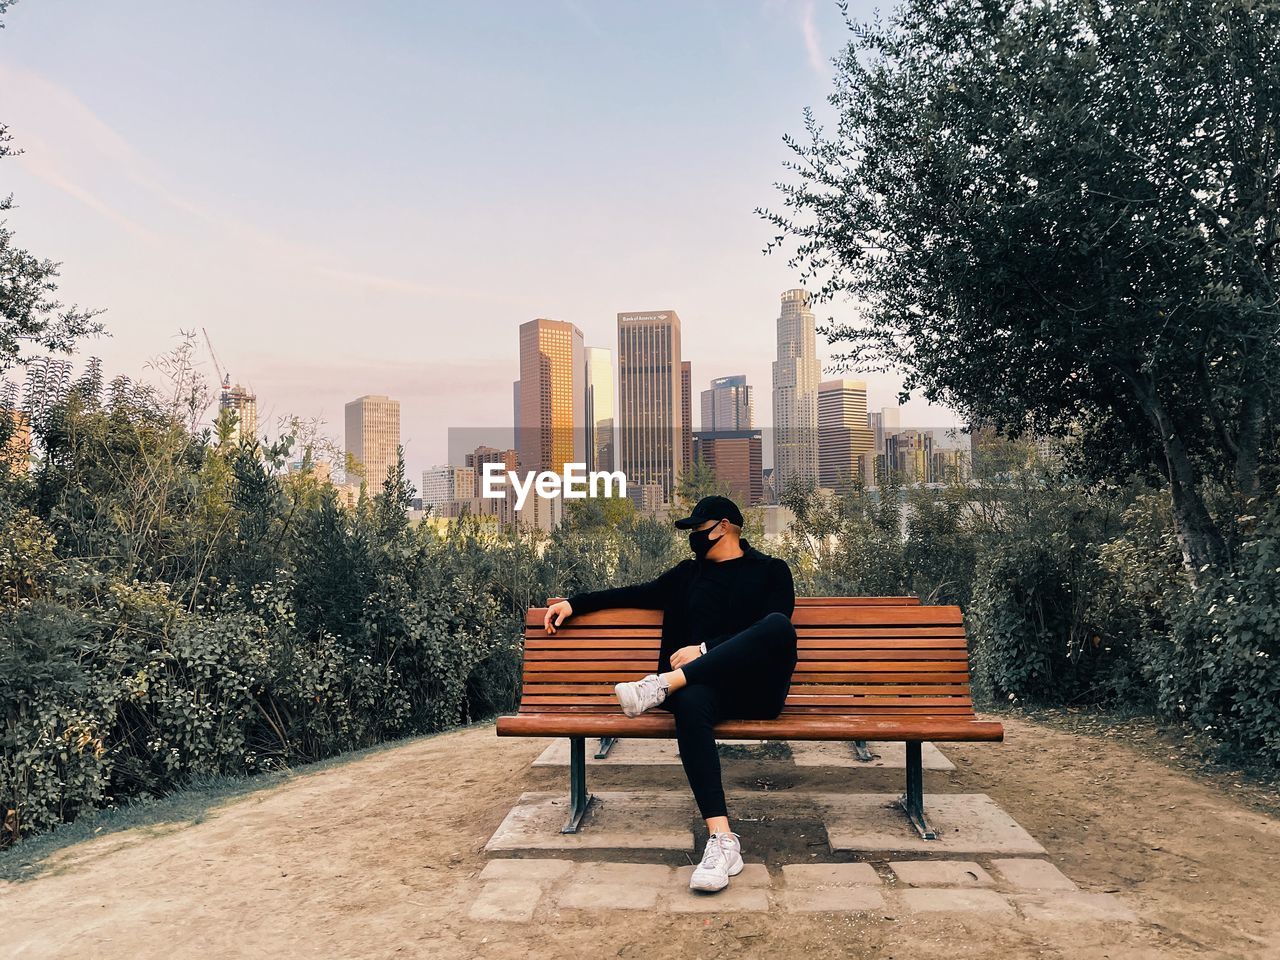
column 643, row 874
column 752, row 875
column 839, row 899
column 532, row 869
column 1073, row 907
column 926, row 900
column 608, row 896
column 617, row 820
column 1033, row 874
column 753, row 899
column 967, row 823
column 506, row 900
column 829, row 875
column 941, row 873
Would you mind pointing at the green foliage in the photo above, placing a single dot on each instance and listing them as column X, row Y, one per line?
column 1040, row 613
column 868, row 543
column 175, row 609
column 1060, row 217
column 700, row 481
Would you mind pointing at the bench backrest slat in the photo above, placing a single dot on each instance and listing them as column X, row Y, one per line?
column 855, row 658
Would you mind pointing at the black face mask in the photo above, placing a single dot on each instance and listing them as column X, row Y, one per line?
column 700, row 542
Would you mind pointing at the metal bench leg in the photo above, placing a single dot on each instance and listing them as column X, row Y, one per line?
column 606, row 744
column 579, row 799
column 913, row 800
column 862, row 751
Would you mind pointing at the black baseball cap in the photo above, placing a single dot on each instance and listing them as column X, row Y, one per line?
column 711, row 508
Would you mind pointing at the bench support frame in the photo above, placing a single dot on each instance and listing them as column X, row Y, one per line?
column 913, row 800
column 606, row 744
column 579, row 798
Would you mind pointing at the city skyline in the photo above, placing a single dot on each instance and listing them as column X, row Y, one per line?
column 384, row 264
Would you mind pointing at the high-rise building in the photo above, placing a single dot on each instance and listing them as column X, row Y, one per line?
column 910, row 453
column 883, row 423
column 485, row 454
column 551, row 415
column 735, row 457
column 515, row 412
column 15, row 451
column 599, row 408
column 795, row 393
column 373, row 436
column 844, row 437
column 442, row 486
column 728, row 405
column 686, row 416
column 649, row 442
column 647, row 497
column 243, row 404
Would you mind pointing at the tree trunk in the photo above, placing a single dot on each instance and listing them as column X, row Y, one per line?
column 1201, row 541
column 1249, row 446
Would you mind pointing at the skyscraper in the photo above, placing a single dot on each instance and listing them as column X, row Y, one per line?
column 243, row 404
column 373, row 436
column 909, row 453
column 728, row 405
column 15, row 451
column 444, row 485
column 734, row 456
column 795, row 393
column 883, row 425
column 551, row 415
column 649, row 443
column 485, row 454
column 686, row 416
column 844, row 438
column 599, row 408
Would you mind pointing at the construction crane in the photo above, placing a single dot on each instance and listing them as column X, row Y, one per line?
column 223, row 376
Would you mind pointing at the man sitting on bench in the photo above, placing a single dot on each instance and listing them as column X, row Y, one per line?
column 728, row 651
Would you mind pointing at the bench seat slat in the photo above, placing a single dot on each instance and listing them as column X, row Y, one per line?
column 815, row 689
column 570, row 631
column 816, row 713
column 550, row 659
column 852, row 668
column 657, row 725
column 852, row 702
column 798, row 678
column 868, row 615
column 840, row 661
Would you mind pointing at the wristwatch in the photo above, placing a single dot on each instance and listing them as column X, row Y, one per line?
column 703, row 646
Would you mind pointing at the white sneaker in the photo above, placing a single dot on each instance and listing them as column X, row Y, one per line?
column 721, row 860
column 637, row 696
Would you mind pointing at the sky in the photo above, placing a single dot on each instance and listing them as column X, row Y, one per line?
column 371, row 198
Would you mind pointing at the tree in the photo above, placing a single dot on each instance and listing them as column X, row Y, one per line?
column 699, row 481
column 1061, row 217
column 29, row 309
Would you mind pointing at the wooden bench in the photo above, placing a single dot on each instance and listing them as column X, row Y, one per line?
column 876, row 668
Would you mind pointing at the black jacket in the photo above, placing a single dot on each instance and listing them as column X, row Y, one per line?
column 704, row 600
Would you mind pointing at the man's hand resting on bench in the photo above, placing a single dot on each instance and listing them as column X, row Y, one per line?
column 557, row 611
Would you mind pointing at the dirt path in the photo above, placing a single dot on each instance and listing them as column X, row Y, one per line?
column 380, row 857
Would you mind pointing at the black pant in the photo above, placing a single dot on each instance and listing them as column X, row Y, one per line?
column 745, row 677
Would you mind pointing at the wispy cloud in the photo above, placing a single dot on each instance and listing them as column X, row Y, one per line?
column 812, row 42
column 67, row 146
